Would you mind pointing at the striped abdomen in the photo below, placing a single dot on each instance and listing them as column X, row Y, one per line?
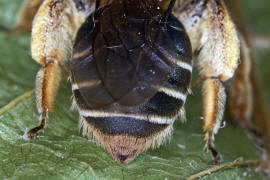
column 130, row 78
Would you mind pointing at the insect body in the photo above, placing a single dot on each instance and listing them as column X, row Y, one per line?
column 131, row 65
column 130, row 74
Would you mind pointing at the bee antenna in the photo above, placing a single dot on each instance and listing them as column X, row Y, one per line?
column 169, row 11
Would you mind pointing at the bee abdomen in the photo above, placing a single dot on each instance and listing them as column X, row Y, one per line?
column 170, row 96
column 145, row 120
column 131, row 72
column 141, row 121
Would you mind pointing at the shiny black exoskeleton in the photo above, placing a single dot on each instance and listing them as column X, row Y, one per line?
column 127, row 68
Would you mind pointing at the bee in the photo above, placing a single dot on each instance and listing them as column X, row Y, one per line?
column 131, row 66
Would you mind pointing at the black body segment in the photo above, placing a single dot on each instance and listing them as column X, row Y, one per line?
column 179, row 80
column 162, row 105
column 125, row 125
column 128, row 63
column 177, row 33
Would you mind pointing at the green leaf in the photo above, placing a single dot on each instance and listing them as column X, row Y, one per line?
column 62, row 153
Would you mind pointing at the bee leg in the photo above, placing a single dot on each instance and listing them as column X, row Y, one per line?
column 54, row 29
column 261, row 116
column 261, row 110
column 241, row 98
column 214, row 99
column 216, row 46
column 25, row 17
column 241, row 91
column 47, row 82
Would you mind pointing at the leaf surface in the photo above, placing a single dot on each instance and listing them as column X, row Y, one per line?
column 62, row 153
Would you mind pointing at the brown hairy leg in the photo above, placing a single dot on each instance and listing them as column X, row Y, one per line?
column 214, row 99
column 241, row 93
column 260, row 106
column 261, row 110
column 47, row 82
column 214, row 39
column 241, row 100
column 53, row 32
